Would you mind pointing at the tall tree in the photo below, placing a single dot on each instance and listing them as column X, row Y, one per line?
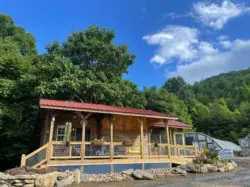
column 181, row 89
column 25, row 41
column 88, row 66
column 94, row 49
column 163, row 101
column 14, row 130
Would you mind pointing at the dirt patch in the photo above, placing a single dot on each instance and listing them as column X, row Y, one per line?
column 27, row 170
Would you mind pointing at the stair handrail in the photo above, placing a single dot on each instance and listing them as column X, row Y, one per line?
column 24, row 157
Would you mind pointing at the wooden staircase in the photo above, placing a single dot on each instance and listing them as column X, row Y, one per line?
column 36, row 159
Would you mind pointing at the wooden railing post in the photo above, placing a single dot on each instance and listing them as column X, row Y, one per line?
column 23, row 160
column 51, row 132
column 70, row 150
column 168, row 139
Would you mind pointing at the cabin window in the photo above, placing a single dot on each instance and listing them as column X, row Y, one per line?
column 179, row 139
column 60, row 132
column 158, row 135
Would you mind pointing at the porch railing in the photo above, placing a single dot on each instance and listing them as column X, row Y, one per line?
column 97, row 151
column 158, row 150
column 122, row 150
column 183, row 151
column 61, row 150
column 72, row 150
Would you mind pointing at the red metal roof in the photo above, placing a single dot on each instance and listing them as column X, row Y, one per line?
column 172, row 123
column 175, row 123
column 70, row 105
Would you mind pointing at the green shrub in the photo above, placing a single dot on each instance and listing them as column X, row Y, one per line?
column 207, row 157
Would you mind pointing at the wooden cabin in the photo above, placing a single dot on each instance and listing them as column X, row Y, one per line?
column 101, row 138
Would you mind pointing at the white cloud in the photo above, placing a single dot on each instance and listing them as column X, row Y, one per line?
column 158, row 59
column 174, row 15
column 206, row 48
column 217, row 15
column 173, row 42
column 224, row 42
column 236, row 58
column 196, row 59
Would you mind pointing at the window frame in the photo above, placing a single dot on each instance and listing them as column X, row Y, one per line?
column 175, row 138
column 57, row 132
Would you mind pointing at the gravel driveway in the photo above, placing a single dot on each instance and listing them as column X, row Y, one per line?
column 238, row 178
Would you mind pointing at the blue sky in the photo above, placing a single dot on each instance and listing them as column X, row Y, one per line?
column 192, row 39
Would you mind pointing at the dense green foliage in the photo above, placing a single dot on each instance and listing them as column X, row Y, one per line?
column 88, row 67
column 208, row 157
column 166, row 102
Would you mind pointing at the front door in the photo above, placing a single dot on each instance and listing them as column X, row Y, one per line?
column 79, row 134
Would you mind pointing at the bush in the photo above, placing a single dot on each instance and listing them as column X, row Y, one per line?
column 207, row 157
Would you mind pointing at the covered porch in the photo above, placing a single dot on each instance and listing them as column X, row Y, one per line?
column 105, row 137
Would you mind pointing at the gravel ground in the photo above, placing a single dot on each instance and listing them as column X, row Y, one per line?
column 238, row 178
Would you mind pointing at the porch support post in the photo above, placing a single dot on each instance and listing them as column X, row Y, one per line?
column 83, row 123
column 183, row 137
column 168, row 139
column 149, row 142
column 45, row 130
column 141, row 137
column 111, row 147
column 51, row 132
column 174, row 136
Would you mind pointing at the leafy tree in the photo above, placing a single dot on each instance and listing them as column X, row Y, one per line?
column 61, row 79
column 25, row 41
column 181, row 89
column 228, row 117
column 216, row 120
column 163, row 101
column 88, row 67
column 7, row 26
column 14, row 131
column 200, row 116
column 93, row 49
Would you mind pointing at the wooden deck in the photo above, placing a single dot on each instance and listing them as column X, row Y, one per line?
column 118, row 161
column 179, row 154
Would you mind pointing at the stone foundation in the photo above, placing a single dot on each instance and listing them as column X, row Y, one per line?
column 59, row 179
column 63, row 179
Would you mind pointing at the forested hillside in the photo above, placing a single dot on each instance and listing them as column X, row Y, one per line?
column 89, row 67
column 233, row 86
column 224, row 105
column 218, row 106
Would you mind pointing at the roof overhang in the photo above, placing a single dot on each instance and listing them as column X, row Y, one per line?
column 107, row 112
column 172, row 123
